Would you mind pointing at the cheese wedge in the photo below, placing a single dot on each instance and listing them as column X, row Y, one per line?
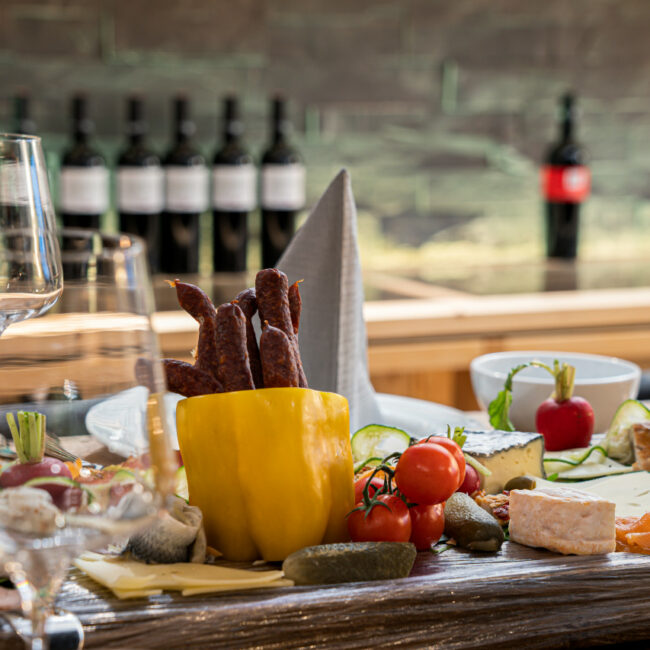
column 563, row 520
column 506, row 454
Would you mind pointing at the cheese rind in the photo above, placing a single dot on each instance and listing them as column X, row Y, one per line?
column 506, row 454
column 562, row 520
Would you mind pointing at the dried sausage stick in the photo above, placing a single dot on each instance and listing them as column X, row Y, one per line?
column 234, row 369
column 188, row 380
column 272, row 290
column 295, row 305
column 248, row 304
column 278, row 361
column 197, row 304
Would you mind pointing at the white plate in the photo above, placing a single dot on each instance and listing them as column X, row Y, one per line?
column 421, row 418
column 119, row 421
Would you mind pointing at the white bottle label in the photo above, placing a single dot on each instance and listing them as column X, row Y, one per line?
column 283, row 187
column 186, row 188
column 233, row 187
column 84, row 190
column 140, row 190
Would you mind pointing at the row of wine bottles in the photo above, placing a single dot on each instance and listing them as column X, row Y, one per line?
column 161, row 198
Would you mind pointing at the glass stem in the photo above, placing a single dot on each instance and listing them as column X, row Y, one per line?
column 37, row 578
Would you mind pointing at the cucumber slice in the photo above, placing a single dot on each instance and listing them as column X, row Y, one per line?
column 618, row 441
column 181, row 490
column 51, row 480
column 378, row 441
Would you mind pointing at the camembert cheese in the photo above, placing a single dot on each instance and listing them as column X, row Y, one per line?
column 562, row 520
column 506, row 454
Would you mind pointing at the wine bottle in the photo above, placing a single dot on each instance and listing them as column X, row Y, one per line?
column 566, row 183
column 233, row 194
column 83, row 185
column 139, row 181
column 186, row 197
column 23, row 122
column 283, row 187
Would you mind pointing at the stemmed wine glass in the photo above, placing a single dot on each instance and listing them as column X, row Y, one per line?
column 87, row 373
column 30, row 268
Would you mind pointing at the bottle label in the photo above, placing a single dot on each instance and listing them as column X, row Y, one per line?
column 283, row 187
column 566, row 184
column 233, row 187
column 186, row 188
column 140, row 190
column 83, row 190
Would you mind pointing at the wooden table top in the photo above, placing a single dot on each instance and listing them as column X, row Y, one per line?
column 519, row 597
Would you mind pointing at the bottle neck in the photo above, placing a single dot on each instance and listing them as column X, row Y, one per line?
column 232, row 126
column 82, row 126
column 567, row 129
column 183, row 126
column 567, row 119
column 280, row 125
column 136, row 127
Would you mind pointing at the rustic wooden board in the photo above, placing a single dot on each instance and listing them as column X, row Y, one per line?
column 518, row 598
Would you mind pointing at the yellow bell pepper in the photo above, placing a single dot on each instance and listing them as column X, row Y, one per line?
column 271, row 469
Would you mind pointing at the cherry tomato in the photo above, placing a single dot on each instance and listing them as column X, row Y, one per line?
column 471, row 483
column 427, row 473
column 566, row 424
column 359, row 484
column 427, row 525
column 455, row 451
column 383, row 524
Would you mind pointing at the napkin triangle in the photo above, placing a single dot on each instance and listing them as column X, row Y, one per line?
column 333, row 343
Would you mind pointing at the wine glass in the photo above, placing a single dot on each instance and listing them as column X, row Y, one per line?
column 30, row 267
column 91, row 368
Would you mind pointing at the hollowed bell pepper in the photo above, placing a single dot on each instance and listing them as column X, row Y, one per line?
column 271, row 469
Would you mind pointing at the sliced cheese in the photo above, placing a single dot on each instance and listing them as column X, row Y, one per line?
column 563, row 520
column 129, row 579
column 629, row 492
column 595, row 466
column 506, row 454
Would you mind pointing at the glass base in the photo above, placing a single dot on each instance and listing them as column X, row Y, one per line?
column 63, row 630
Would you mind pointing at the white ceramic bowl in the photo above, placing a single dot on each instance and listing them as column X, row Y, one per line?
column 604, row 381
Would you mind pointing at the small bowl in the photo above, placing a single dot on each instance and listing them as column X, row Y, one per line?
column 604, row 381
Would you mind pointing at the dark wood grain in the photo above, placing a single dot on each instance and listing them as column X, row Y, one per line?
column 517, row 598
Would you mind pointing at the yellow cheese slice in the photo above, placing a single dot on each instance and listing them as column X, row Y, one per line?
column 130, row 579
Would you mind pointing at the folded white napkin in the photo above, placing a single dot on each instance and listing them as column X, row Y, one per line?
column 333, row 343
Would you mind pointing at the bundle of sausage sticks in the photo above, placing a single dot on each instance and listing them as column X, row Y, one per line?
column 227, row 356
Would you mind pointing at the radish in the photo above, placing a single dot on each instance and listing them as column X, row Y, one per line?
column 29, row 440
column 471, row 483
column 565, row 421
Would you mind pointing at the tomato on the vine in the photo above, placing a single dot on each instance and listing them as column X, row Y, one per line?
column 454, row 449
column 387, row 521
column 427, row 473
column 376, row 483
column 427, row 525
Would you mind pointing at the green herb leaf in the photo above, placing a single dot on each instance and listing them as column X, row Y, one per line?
column 498, row 410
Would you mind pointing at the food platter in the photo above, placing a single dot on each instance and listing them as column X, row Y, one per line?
column 113, row 420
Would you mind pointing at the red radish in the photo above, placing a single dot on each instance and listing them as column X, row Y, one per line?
column 31, row 464
column 564, row 421
column 472, row 481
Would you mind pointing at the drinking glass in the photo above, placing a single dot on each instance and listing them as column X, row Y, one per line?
column 30, row 267
column 91, row 366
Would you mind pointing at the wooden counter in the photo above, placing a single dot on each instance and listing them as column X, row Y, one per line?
column 422, row 346
column 518, row 598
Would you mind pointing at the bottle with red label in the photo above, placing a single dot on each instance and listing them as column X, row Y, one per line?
column 566, row 182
